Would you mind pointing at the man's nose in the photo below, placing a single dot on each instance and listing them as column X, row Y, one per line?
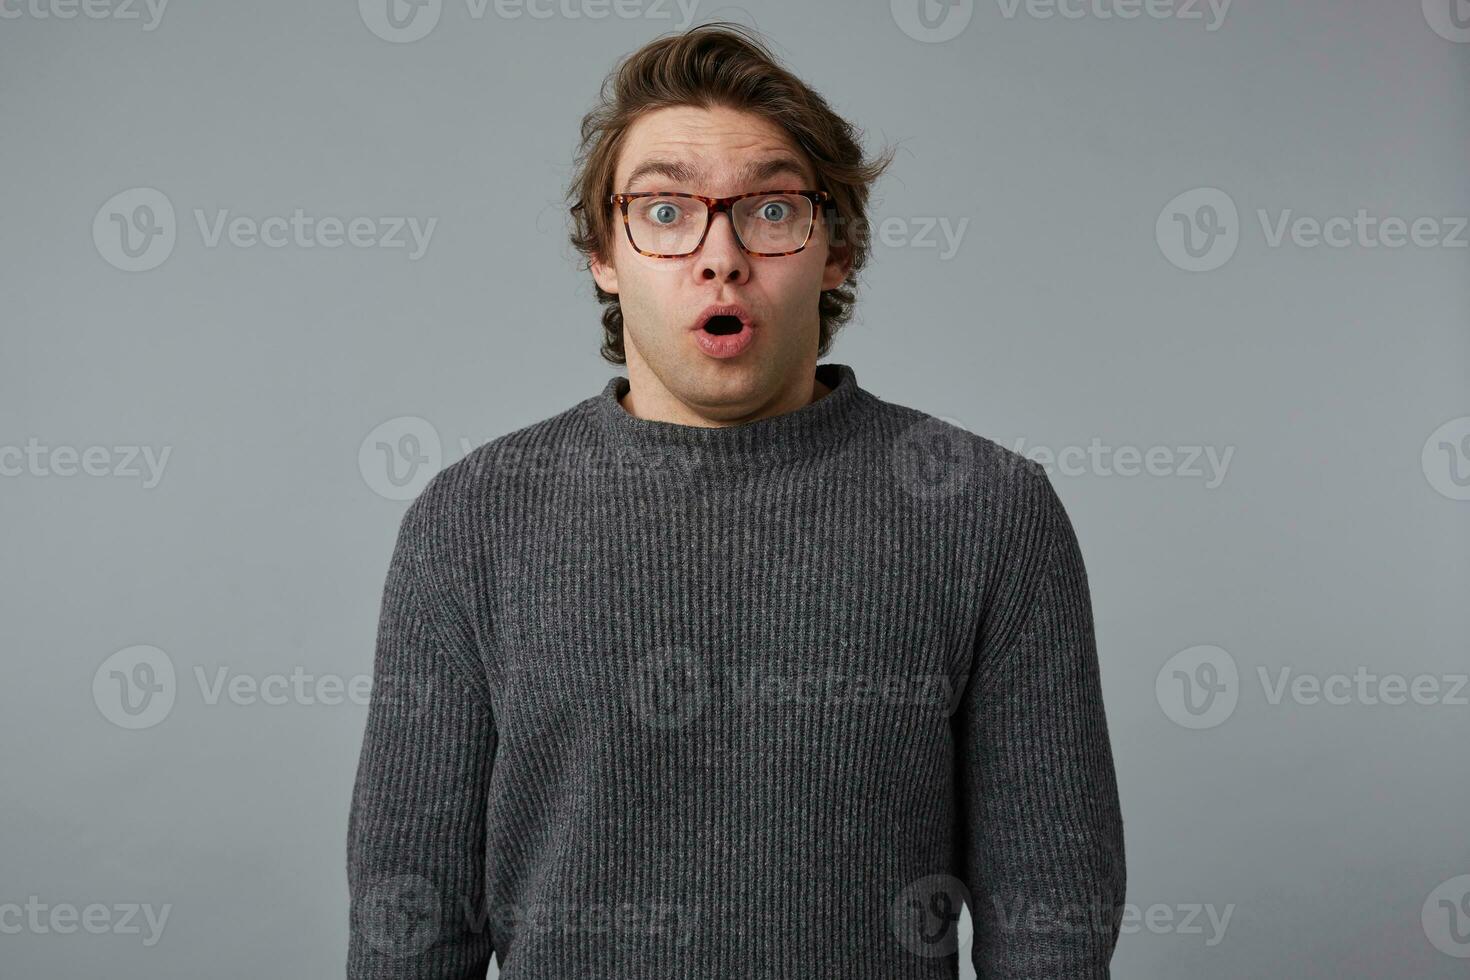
column 721, row 257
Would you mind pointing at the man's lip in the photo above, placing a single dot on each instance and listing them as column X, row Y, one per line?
column 723, row 309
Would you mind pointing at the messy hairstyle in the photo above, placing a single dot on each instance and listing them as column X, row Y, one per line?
column 721, row 65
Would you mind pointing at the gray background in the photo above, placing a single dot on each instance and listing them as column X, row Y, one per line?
column 1334, row 542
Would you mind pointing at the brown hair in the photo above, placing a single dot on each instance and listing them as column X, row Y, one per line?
column 726, row 65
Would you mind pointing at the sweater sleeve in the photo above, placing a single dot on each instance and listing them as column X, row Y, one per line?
column 1042, row 832
column 416, row 829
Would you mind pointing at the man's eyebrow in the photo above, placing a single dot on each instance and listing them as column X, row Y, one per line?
column 681, row 173
column 754, row 173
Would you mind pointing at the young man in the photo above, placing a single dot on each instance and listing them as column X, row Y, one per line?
column 733, row 670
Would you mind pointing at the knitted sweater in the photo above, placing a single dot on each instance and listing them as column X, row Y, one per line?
column 758, row 701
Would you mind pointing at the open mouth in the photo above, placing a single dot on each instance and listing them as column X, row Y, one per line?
column 726, row 332
column 722, row 325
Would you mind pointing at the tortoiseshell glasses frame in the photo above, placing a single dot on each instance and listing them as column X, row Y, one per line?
column 713, row 206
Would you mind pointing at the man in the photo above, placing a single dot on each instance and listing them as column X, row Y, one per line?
column 734, row 669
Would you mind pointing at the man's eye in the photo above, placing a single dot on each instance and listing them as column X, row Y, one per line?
column 775, row 211
column 664, row 213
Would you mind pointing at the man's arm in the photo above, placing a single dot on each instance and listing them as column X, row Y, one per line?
column 416, row 831
column 1043, row 856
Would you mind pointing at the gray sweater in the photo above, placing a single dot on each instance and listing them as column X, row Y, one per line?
column 761, row 701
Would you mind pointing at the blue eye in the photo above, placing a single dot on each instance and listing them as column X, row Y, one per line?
column 664, row 213
column 772, row 211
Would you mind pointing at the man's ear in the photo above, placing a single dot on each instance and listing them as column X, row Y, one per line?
column 839, row 264
column 604, row 274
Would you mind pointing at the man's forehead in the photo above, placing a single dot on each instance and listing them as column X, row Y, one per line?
column 756, row 170
column 701, row 146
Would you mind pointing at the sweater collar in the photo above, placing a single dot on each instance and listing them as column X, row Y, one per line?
column 810, row 430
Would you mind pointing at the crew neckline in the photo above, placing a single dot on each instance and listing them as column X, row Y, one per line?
column 803, row 432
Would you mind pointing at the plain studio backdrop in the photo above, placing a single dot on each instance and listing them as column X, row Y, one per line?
column 1208, row 264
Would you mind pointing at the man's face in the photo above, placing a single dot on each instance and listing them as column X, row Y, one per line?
column 662, row 299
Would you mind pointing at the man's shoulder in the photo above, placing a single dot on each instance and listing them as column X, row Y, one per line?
column 981, row 460
column 1003, row 505
column 466, row 486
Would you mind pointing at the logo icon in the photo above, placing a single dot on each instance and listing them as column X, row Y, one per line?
column 400, row 21
column 135, row 229
column 400, row 916
column 933, row 458
column 1198, row 687
column 670, row 687
column 1450, row 19
column 932, row 21
column 926, row 916
column 399, row 457
column 1446, row 458
column 1199, row 230
column 135, row 687
column 1446, row 917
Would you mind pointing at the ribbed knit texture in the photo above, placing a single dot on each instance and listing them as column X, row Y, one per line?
column 756, row 702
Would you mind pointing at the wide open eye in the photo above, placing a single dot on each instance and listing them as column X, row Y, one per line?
column 663, row 212
column 775, row 210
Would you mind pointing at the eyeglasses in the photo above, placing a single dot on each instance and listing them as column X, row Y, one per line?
column 669, row 224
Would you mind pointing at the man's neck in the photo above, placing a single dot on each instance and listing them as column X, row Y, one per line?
column 657, row 404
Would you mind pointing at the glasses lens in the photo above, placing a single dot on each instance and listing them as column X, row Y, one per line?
column 773, row 223
column 666, row 225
